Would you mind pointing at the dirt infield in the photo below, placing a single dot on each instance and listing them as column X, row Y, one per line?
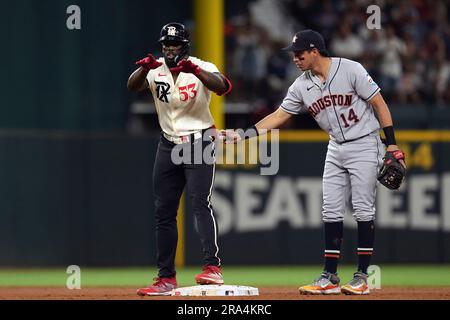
column 266, row 293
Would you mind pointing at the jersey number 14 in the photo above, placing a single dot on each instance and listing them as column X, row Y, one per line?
column 352, row 117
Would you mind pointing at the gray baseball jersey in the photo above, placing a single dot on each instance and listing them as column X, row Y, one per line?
column 340, row 104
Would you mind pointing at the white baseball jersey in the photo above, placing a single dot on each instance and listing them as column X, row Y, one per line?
column 182, row 107
column 340, row 104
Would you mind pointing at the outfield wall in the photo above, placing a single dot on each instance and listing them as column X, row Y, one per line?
column 87, row 200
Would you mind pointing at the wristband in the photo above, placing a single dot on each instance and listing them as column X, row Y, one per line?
column 249, row 133
column 390, row 136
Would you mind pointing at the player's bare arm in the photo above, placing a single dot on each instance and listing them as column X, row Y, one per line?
column 382, row 110
column 138, row 79
column 384, row 116
column 215, row 82
column 274, row 120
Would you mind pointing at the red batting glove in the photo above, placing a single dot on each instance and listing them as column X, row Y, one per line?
column 148, row 63
column 187, row 66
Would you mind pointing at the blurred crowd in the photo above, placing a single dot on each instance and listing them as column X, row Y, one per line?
column 409, row 56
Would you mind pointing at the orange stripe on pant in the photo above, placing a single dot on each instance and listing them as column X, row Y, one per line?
column 332, row 256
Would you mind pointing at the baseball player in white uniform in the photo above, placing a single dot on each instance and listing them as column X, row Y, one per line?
column 181, row 86
column 347, row 104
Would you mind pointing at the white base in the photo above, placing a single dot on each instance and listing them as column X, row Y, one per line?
column 215, row 290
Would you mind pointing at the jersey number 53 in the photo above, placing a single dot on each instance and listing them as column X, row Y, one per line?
column 187, row 92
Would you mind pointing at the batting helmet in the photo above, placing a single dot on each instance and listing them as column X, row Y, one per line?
column 174, row 31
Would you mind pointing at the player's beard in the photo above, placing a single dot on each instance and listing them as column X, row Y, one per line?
column 172, row 62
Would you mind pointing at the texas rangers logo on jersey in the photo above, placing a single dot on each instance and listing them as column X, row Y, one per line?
column 330, row 101
column 171, row 31
column 162, row 90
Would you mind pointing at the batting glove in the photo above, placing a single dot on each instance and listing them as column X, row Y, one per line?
column 187, row 66
column 148, row 63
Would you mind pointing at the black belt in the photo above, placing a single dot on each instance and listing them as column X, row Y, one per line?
column 353, row 139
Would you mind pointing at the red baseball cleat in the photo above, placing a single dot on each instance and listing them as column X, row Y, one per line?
column 161, row 287
column 210, row 275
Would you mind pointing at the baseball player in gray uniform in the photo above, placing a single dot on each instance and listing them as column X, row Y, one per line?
column 347, row 104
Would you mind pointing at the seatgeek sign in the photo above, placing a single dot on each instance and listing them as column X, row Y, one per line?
column 249, row 202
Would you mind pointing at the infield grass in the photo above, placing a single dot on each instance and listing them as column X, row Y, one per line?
column 391, row 275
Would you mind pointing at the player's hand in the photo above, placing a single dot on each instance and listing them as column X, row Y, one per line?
column 394, row 147
column 149, row 63
column 229, row 136
column 187, row 66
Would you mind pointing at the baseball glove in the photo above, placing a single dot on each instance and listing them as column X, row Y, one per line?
column 392, row 173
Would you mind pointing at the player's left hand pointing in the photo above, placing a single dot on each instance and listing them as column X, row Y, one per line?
column 187, row 66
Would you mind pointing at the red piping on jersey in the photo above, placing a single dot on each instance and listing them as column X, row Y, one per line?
column 230, row 86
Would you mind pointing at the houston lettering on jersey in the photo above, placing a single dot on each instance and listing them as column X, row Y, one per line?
column 329, row 101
